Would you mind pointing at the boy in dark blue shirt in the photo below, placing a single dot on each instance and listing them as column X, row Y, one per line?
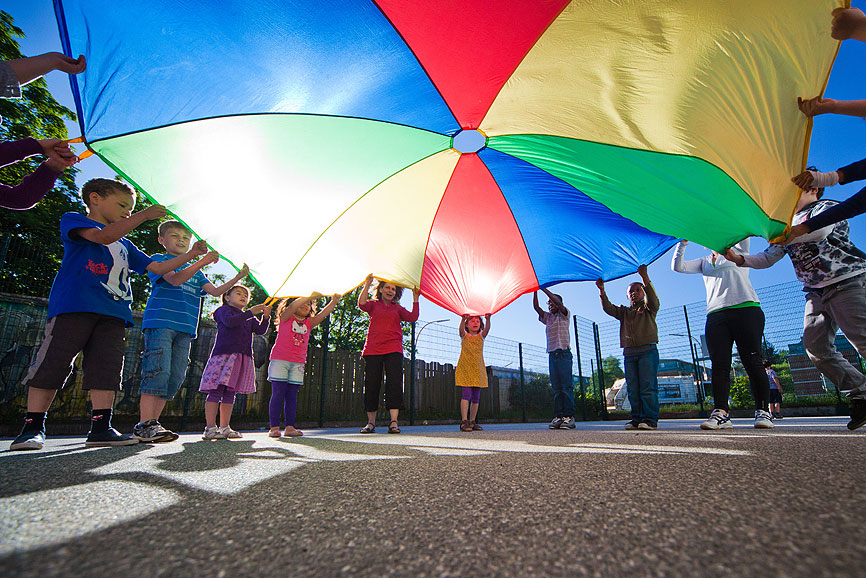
column 89, row 309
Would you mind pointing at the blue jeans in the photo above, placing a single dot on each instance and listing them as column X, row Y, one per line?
column 641, row 379
column 562, row 382
column 166, row 356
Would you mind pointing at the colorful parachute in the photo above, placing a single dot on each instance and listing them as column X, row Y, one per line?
column 477, row 149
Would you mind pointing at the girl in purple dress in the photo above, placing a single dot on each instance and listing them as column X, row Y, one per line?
column 230, row 369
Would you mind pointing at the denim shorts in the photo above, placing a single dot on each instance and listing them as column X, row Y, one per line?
column 166, row 357
column 281, row 370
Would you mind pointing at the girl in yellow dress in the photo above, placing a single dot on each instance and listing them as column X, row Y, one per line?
column 471, row 374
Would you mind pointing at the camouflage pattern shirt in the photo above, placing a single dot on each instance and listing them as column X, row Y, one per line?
column 821, row 258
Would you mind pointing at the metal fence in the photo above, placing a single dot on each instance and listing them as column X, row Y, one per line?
column 333, row 389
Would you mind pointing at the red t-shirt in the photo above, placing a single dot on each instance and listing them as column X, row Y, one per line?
column 385, row 334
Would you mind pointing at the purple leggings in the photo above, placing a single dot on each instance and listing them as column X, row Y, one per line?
column 221, row 395
column 471, row 394
column 284, row 398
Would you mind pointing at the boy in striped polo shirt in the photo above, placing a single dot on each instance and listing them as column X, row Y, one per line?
column 169, row 326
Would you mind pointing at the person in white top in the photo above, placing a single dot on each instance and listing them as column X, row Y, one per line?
column 733, row 316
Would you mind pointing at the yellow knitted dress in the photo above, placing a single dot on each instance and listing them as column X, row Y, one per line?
column 470, row 370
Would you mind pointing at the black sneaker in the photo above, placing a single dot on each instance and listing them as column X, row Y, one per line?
column 633, row 424
column 112, row 437
column 151, row 431
column 858, row 413
column 556, row 423
column 647, row 424
column 567, row 423
column 29, row 440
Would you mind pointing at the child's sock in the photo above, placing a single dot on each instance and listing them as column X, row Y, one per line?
column 34, row 421
column 100, row 420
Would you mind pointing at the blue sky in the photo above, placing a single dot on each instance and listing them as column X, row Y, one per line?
column 836, row 141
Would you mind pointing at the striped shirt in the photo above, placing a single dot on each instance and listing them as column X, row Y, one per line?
column 557, row 329
column 173, row 307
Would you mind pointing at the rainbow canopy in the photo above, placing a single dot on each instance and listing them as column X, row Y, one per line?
column 477, row 149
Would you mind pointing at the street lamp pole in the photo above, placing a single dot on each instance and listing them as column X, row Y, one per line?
column 414, row 347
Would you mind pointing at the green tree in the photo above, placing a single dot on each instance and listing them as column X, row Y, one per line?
column 611, row 369
column 347, row 325
column 33, row 249
column 30, row 241
column 539, row 395
column 741, row 392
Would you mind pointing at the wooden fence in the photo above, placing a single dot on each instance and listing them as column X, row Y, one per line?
column 341, row 376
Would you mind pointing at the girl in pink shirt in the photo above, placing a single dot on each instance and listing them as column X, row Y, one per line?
column 295, row 319
column 383, row 349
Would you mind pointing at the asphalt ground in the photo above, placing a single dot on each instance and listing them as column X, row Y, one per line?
column 513, row 500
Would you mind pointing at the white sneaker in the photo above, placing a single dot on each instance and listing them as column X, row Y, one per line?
column 567, row 423
column 212, row 432
column 763, row 420
column 718, row 420
column 227, row 432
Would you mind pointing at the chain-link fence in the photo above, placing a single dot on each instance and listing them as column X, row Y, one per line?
column 518, row 372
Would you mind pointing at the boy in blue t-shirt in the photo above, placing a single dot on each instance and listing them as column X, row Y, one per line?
column 169, row 325
column 89, row 310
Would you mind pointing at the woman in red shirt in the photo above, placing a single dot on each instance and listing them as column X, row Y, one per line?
column 383, row 349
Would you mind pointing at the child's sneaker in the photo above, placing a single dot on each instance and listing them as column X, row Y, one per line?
column 763, row 420
column 151, row 431
column 556, row 423
column 110, row 437
column 567, row 422
column 647, row 424
column 633, row 424
column 718, row 420
column 29, row 440
column 228, row 433
column 212, row 432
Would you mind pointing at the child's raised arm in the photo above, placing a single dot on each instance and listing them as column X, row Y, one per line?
column 178, row 278
column 561, row 308
column 218, row 291
column 606, row 305
column 486, row 325
column 652, row 298
column 120, row 228
column 537, row 307
column 199, row 248
column 461, row 329
column 265, row 322
column 320, row 316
